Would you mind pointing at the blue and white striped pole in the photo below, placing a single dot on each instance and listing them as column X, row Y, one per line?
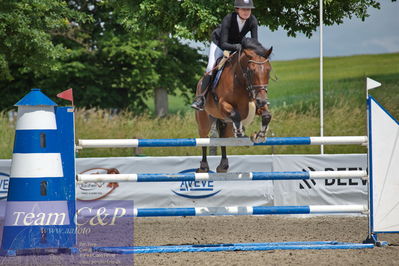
column 248, row 210
column 40, row 210
column 200, row 142
column 245, row 176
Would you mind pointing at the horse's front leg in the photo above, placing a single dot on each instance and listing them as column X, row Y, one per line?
column 261, row 135
column 231, row 114
column 237, row 125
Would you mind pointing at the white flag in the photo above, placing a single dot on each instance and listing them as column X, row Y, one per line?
column 371, row 84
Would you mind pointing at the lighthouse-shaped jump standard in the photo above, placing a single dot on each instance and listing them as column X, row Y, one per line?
column 39, row 203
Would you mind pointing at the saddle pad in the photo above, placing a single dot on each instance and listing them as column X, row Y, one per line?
column 217, row 78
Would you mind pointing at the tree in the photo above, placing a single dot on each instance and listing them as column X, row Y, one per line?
column 107, row 65
column 115, row 53
column 118, row 68
column 195, row 19
column 27, row 50
column 25, row 35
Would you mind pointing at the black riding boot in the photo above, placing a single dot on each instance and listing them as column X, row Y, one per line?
column 199, row 100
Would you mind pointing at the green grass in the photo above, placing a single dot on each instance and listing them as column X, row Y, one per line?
column 344, row 79
column 294, row 101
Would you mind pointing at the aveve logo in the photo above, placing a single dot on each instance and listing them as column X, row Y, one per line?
column 195, row 189
column 4, row 183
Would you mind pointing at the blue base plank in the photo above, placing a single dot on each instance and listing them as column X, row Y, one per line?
column 234, row 247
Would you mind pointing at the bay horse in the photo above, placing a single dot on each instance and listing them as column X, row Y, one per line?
column 240, row 94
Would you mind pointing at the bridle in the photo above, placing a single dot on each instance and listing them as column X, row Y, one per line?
column 252, row 89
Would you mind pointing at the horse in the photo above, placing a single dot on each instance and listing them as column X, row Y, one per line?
column 240, row 94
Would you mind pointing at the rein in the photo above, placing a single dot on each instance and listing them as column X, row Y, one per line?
column 251, row 88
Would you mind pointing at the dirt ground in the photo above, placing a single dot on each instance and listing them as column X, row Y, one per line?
column 228, row 229
column 214, row 230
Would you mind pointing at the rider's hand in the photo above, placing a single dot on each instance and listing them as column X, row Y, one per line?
column 238, row 47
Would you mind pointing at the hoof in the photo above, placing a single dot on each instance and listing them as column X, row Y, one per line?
column 239, row 135
column 223, row 166
column 221, row 169
column 258, row 138
column 202, row 170
column 204, row 167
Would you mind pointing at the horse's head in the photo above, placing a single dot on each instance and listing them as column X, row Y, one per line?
column 257, row 68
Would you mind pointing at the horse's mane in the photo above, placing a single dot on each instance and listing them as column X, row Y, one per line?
column 253, row 44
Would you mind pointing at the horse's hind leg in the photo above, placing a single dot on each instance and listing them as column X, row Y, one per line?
column 204, row 122
column 224, row 162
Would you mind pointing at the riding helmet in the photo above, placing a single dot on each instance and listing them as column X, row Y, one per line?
column 244, row 4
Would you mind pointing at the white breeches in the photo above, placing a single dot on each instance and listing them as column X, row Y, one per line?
column 214, row 53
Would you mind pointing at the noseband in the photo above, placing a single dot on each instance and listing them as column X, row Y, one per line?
column 251, row 88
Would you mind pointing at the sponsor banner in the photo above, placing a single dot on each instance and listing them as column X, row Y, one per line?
column 5, row 166
column 223, row 193
column 4, row 178
column 176, row 194
column 320, row 191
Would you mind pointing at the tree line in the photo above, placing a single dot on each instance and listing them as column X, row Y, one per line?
column 116, row 53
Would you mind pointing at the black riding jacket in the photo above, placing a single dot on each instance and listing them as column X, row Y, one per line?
column 227, row 34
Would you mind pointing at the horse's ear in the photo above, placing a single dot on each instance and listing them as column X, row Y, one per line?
column 268, row 52
column 249, row 53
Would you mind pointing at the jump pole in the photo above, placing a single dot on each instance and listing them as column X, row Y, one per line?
column 249, row 210
column 202, row 142
column 180, row 177
column 318, row 245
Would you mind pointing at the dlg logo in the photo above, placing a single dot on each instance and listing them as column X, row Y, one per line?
column 196, row 189
column 309, row 184
column 4, row 182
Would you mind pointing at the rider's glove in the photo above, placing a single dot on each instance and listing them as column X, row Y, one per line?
column 238, row 47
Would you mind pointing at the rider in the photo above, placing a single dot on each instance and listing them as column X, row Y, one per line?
column 228, row 36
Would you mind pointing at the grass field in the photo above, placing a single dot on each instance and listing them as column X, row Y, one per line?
column 294, row 101
column 344, row 77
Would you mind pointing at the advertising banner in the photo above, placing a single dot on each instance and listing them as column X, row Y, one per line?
column 320, row 191
column 214, row 193
column 177, row 194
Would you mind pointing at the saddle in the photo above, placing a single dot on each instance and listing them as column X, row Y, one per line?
column 217, row 72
